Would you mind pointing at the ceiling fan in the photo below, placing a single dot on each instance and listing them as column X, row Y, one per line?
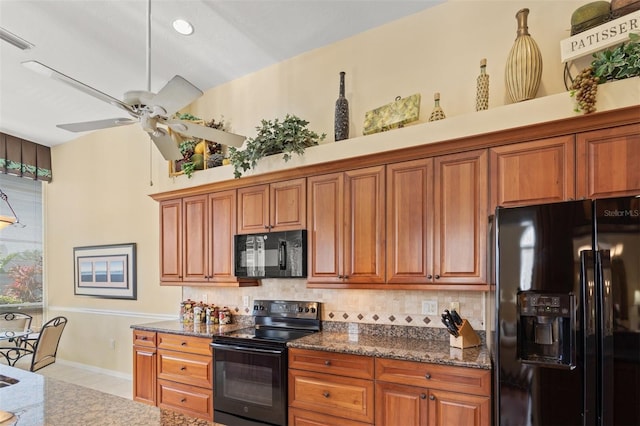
column 147, row 108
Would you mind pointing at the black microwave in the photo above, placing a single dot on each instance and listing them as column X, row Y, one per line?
column 271, row 255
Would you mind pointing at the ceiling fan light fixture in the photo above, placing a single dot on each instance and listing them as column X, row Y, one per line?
column 182, row 26
column 7, row 220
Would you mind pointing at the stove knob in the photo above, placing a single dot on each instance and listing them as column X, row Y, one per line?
column 306, row 309
column 300, row 309
column 255, row 307
column 262, row 307
column 313, row 310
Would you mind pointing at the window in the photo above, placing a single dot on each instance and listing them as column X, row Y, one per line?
column 21, row 245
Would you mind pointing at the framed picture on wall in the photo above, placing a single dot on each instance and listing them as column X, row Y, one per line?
column 105, row 271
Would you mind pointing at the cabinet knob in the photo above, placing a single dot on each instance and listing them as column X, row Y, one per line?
column 429, row 276
column 325, row 394
column 427, row 376
column 183, row 368
column 431, row 397
column 183, row 344
column 423, row 396
column 437, row 277
column 183, row 400
column 327, row 362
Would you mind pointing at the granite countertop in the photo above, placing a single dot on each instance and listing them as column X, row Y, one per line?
column 190, row 329
column 436, row 351
column 38, row 400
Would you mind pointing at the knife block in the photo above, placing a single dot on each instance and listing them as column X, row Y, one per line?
column 468, row 338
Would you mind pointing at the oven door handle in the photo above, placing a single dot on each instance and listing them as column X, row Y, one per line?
column 245, row 349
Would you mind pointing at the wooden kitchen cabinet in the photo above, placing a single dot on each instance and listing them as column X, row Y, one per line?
column 607, row 162
column 144, row 366
column 347, row 228
column 332, row 388
column 460, row 218
column 415, row 393
column 535, row 172
column 171, row 242
column 185, row 375
column 279, row 206
column 196, row 235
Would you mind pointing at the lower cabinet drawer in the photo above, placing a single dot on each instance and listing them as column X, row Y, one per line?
column 309, row 418
column 334, row 395
column 185, row 368
column 190, row 400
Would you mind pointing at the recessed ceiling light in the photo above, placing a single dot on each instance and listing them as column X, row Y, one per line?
column 183, row 27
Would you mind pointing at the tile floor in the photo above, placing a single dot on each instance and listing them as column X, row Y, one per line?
column 85, row 377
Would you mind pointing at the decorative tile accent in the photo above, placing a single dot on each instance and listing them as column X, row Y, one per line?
column 376, row 307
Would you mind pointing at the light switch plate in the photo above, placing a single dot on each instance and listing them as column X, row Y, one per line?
column 429, row 307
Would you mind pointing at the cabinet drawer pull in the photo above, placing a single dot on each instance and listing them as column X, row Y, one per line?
column 423, row 396
column 183, row 368
column 427, row 376
column 325, row 394
column 327, row 362
column 142, row 337
column 431, row 397
column 183, row 344
column 183, row 400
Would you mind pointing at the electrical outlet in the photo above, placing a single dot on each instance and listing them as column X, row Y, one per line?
column 454, row 306
column 429, row 307
column 245, row 301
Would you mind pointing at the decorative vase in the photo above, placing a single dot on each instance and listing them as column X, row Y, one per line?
column 482, row 91
column 341, row 125
column 524, row 64
column 437, row 113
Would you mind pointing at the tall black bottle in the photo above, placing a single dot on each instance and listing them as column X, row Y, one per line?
column 341, row 126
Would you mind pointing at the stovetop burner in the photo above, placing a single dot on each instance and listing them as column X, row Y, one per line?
column 277, row 322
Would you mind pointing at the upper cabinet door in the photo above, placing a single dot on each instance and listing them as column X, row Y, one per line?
column 222, row 227
column 195, row 223
column 410, row 222
column 171, row 241
column 608, row 162
column 288, row 205
column 460, row 219
column 253, row 209
column 326, row 231
column 532, row 172
column 280, row 206
column 364, row 204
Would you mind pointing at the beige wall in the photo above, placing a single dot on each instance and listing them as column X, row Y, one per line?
column 101, row 181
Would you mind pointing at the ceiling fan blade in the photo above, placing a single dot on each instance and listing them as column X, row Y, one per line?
column 166, row 145
column 87, row 126
column 175, row 95
column 190, row 128
column 56, row 75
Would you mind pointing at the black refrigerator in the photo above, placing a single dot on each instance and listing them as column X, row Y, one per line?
column 566, row 337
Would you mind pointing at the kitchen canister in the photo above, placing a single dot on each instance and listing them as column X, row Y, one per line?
column 524, row 63
column 224, row 316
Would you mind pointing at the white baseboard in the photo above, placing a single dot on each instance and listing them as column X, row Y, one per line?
column 81, row 366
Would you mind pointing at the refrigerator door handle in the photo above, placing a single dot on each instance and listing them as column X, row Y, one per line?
column 603, row 265
column 587, row 274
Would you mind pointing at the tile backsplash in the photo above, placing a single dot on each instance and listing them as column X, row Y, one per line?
column 387, row 307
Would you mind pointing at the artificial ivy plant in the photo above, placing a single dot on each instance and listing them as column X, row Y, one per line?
column 288, row 136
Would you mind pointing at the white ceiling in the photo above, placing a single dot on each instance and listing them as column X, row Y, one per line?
column 103, row 44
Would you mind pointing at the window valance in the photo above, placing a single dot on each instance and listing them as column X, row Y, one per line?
column 23, row 158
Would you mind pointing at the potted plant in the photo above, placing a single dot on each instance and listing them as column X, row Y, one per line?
column 609, row 64
column 287, row 137
column 199, row 154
